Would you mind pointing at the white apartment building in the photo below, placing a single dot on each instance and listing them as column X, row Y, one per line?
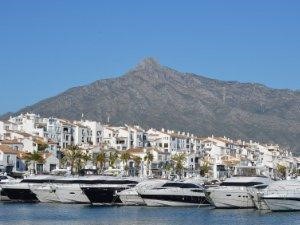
column 8, row 158
column 81, row 134
column 96, row 131
column 170, row 141
column 122, row 138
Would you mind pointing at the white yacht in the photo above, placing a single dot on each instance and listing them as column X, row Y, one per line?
column 21, row 191
column 4, row 179
column 45, row 192
column 66, row 189
column 256, row 192
column 234, row 191
column 105, row 191
column 283, row 195
column 131, row 196
column 172, row 193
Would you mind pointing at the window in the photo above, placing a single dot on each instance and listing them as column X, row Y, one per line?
column 52, row 167
column 39, row 168
column 166, row 145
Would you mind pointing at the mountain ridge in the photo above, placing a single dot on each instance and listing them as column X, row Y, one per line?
column 157, row 96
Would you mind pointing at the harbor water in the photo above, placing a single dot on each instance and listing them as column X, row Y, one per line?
column 25, row 214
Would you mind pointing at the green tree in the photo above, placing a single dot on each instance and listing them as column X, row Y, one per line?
column 137, row 164
column 41, row 145
column 148, row 158
column 125, row 156
column 204, row 168
column 74, row 157
column 34, row 158
column 101, row 160
column 179, row 160
column 281, row 170
column 168, row 166
column 112, row 159
column 82, row 160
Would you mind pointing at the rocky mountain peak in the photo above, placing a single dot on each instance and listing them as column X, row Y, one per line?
column 153, row 95
column 148, row 64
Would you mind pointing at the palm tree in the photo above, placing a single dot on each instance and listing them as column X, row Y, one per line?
column 34, row 158
column 125, row 156
column 41, row 145
column 112, row 159
column 82, row 160
column 74, row 157
column 204, row 168
column 101, row 159
column 281, row 170
column 137, row 163
column 148, row 158
column 179, row 162
column 168, row 167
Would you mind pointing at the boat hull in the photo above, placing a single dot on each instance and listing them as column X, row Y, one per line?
column 20, row 194
column 103, row 195
column 175, row 200
column 234, row 198
column 283, row 204
column 71, row 194
column 46, row 194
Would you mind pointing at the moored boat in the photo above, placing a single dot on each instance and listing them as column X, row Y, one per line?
column 283, row 195
column 21, row 191
column 105, row 192
column 172, row 193
column 234, row 191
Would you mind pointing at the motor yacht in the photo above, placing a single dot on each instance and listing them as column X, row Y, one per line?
column 4, row 179
column 172, row 193
column 21, row 191
column 282, row 195
column 234, row 191
column 105, row 191
column 131, row 196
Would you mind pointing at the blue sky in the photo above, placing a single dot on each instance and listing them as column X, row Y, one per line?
column 49, row 46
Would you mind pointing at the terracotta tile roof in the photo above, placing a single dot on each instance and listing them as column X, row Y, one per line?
column 22, row 133
column 136, row 150
column 51, row 142
column 10, row 142
column 7, row 149
column 144, row 150
column 22, row 154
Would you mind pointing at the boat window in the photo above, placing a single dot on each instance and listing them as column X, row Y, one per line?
column 197, row 190
column 246, row 184
column 130, row 182
column 180, row 185
column 36, row 181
